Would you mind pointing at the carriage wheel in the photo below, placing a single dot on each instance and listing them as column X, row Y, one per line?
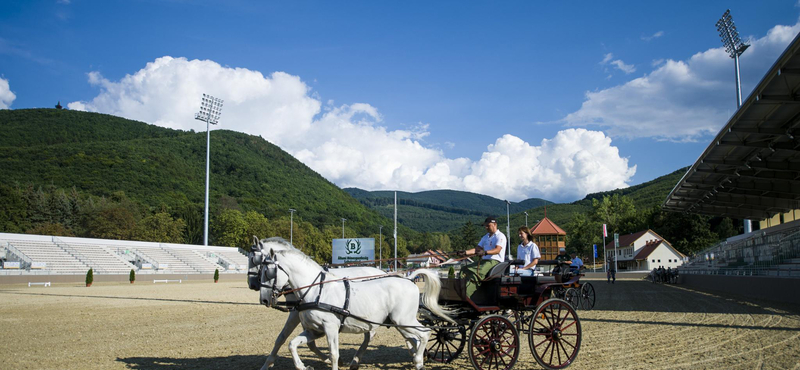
column 587, row 296
column 446, row 341
column 493, row 344
column 573, row 297
column 555, row 336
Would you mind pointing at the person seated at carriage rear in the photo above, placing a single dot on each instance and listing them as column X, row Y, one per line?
column 562, row 259
column 576, row 265
column 491, row 248
column 528, row 252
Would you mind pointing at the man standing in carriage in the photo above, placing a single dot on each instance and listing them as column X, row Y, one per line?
column 491, row 249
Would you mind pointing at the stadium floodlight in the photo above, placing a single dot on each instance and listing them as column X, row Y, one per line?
column 210, row 110
column 735, row 47
column 291, row 225
column 380, row 248
column 508, row 230
column 526, row 218
column 343, row 220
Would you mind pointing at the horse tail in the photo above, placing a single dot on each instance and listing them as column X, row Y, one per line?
column 430, row 293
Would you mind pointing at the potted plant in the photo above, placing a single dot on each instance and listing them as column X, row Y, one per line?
column 132, row 276
column 89, row 278
column 216, row 275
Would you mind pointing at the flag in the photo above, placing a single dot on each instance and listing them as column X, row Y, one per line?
column 595, row 250
column 605, row 232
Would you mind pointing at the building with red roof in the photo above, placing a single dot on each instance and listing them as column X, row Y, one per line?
column 644, row 251
column 548, row 237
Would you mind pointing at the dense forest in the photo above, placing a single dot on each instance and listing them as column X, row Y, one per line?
column 94, row 175
column 87, row 174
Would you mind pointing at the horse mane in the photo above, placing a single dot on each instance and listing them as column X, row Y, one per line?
column 280, row 241
column 302, row 256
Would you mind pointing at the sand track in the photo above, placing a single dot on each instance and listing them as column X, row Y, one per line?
column 201, row 325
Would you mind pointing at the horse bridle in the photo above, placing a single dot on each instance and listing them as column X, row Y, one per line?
column 267, row 274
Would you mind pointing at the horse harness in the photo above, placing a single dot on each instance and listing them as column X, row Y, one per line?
column 270, row 273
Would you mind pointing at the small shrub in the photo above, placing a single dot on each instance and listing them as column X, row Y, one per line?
column 89, row 277
column 451, row 273
column 132, row 276
column 216, row 275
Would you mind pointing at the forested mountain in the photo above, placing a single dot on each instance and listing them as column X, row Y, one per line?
column 439, row 210
column 62, row 156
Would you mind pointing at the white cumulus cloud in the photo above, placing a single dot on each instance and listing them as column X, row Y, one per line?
column 6, row 96
column 681, row 100
column 348, row 144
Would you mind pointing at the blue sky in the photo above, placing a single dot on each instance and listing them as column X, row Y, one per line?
column 512, row 99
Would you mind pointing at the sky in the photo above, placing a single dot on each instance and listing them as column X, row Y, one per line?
column 513, row 99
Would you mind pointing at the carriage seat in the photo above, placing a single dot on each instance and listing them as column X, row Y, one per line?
column 498, row 271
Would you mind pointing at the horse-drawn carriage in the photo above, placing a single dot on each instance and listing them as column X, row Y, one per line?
column 489, row 323
column 506, row 306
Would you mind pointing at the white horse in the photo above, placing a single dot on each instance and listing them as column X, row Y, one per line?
column 370, row 303
column 264, row 246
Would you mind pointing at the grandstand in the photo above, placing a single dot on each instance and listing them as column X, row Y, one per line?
column 770, row 252
column 46, row 255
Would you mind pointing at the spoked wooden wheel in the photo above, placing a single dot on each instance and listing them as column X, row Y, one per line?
column 587, row 297
column 555, row 336
column 494, row 344
column 573, row 297
column 446, row 341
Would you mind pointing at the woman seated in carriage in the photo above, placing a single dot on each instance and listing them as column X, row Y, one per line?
column 528, row 252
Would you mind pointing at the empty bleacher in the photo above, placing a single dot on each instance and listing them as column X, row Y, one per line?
column 231, row 256
column 56, row 259
column 100, row 258
column 164, row 260
column 196, row 260
column 42, row 255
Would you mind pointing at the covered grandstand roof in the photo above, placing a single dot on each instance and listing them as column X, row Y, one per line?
column 751, row 170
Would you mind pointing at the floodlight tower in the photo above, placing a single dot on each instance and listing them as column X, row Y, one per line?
column 735, row 47
column 210, row 110
column 291, row 225
column 343, row 220
column 526, row 218
column 508, row 231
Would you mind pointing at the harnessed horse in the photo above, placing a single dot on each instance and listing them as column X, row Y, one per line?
column 330, row 306
column 262, row 247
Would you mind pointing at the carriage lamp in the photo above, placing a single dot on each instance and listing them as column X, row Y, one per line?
column 210, row 110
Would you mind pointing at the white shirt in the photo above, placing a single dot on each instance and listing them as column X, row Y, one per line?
column 489, row 242
column 528, row 253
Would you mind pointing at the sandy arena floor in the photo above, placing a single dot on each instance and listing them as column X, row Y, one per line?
column 201, row 325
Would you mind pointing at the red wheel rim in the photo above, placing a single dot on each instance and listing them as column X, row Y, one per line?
column 555, row 335
column 494, row 344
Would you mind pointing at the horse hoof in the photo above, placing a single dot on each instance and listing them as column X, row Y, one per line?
column 354, row 366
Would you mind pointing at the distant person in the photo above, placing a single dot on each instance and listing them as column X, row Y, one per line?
column 562, row 264
column 577, row 264
column 528, row 252
column 491, row 249
column 611, row 275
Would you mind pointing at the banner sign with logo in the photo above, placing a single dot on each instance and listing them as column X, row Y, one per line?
column 595, row 250
column 10, row 265
column 353, row 250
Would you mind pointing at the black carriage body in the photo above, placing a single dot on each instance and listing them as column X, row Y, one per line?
column 505, row 306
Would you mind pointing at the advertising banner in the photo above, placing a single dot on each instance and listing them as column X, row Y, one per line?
column 353, row 250
column 10, row 265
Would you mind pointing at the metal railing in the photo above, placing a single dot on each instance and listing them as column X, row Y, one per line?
column 763, row 254
column 18, row 253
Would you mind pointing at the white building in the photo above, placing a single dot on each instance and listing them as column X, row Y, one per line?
column 643, row 251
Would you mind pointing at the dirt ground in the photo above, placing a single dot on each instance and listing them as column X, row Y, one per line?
column 201, row 325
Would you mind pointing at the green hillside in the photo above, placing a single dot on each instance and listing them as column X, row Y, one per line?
column 644, row 196
column 100, row 156
column 439, row 210
column 444, row 210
